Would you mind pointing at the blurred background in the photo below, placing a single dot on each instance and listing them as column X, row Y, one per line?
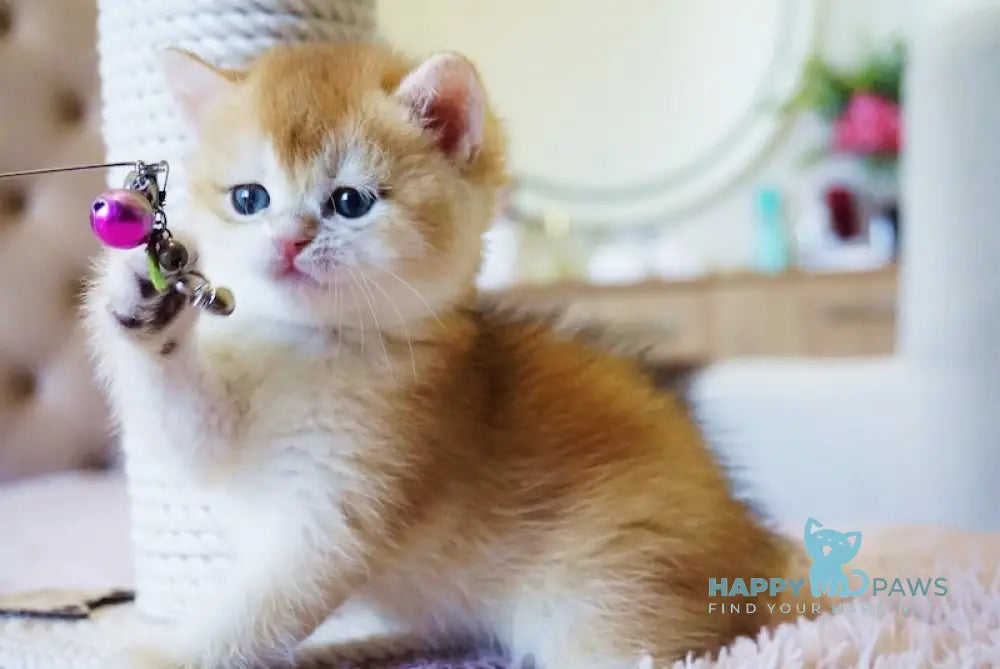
column 800, row 193
column 676, row 127
column 705, row 159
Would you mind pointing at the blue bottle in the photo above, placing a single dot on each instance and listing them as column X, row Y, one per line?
column 771, row 239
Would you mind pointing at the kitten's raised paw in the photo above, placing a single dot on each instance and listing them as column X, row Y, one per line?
column 132, row 300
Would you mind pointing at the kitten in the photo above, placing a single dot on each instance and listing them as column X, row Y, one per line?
column 380, row 437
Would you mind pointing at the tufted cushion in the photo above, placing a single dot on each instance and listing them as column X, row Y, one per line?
column 51, row 414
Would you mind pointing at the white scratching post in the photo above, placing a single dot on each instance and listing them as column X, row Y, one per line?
column 180, row 544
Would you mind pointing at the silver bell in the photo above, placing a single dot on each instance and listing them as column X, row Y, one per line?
column 202, row 294
column 146, row 185
column 220, row 301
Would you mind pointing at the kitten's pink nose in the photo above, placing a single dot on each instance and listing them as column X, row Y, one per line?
column 290, row 248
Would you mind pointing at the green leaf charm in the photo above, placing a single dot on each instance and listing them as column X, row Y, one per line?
column 155, row 274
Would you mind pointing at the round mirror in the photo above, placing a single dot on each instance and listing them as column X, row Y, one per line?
column 628, row 113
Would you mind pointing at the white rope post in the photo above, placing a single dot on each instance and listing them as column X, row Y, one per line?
column 139, row 118
column 178, row 537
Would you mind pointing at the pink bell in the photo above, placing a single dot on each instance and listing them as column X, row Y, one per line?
column 122, row 218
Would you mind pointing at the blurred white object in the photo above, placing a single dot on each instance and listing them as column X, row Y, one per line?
column 881, row 240
column 910, row 438
column 630, row 258
column 819, row 249
column 812, row 234
column 501, row 255
column 674, row 261
column 621, row 261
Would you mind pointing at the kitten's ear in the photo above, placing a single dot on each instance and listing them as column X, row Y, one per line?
column 445, row 95
column 853, row 538
column 811, row 525
column 195, row 84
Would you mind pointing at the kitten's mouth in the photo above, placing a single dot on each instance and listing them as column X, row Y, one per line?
column 288, row 272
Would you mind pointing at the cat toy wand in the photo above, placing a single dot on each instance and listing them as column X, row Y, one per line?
column 133, row 216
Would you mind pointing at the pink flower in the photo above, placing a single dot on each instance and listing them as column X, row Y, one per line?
column 869, row 126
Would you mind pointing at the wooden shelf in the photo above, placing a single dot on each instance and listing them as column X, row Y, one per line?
column 790, row 314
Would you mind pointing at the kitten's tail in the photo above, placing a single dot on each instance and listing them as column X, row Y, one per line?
column 797, row 602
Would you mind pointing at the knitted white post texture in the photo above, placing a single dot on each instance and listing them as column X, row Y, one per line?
column 139, row 118
column 178, row 549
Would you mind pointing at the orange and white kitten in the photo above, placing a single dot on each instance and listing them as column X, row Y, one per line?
column 380, row 436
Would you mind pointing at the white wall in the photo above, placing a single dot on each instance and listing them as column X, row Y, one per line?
column 602, row 98
column 550, row 132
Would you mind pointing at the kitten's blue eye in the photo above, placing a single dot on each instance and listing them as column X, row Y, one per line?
column 350, row 203
column 249, row 199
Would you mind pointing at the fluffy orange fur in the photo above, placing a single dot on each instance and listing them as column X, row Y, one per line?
column 533, row 486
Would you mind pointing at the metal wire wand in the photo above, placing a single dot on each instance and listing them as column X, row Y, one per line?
column 68, row 168
column 133, row 216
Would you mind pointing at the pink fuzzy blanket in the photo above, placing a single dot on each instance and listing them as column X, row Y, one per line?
column 71, row 531
column 959, row 630
column 899, row 630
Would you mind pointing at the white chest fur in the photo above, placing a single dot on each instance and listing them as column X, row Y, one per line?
column 203, row 474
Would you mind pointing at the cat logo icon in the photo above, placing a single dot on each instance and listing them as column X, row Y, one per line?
column 830, row 551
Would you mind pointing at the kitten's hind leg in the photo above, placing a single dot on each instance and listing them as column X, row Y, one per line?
column 575, row 632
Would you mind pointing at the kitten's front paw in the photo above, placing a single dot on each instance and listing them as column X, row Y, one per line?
column 130, row 298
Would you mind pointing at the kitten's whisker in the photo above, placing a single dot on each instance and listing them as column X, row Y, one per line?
column 402, row 320
column 357, row 309
column 415, row 292
column 378, row 328
column 340, row 314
